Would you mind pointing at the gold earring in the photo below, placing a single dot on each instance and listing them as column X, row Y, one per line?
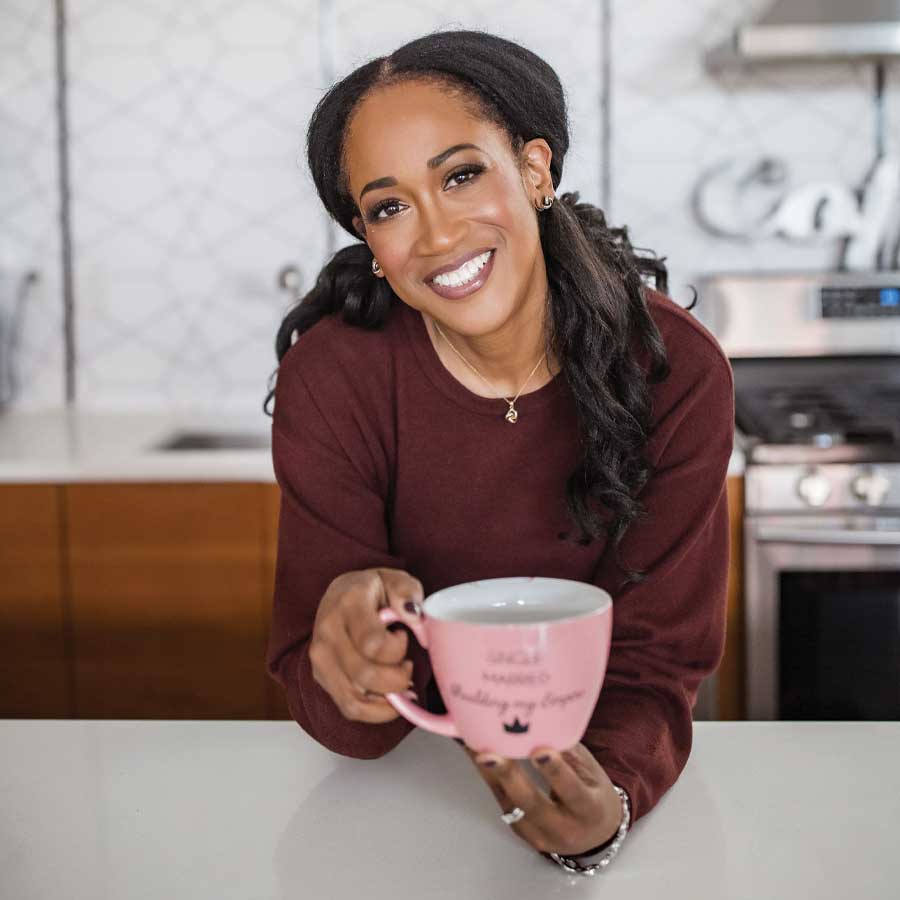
column 375, row 267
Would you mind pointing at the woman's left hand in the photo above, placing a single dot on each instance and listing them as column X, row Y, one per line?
column 581, row 811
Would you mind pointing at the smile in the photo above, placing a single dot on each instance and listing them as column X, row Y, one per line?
column 465, row 280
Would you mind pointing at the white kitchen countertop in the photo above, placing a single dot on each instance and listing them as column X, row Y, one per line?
column 118, row 809
column 69, row 445
column 57, row 446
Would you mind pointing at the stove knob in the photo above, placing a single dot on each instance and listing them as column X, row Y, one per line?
column 814, row 488
column 871, row 487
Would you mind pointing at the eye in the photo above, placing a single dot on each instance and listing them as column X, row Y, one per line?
column 466, row 170
column 374, row 214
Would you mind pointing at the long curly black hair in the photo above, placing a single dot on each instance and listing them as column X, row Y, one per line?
column 596, row 279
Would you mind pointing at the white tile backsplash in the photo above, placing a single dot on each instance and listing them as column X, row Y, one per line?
column 673, row 120
column 29, row 195
column 188, row 197
column 190, row 189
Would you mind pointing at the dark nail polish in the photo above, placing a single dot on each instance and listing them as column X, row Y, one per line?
column 411, row 607
column 542, row 760
column 489, row 763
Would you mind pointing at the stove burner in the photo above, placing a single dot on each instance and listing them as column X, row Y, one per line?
column 823, row 416
column 800, row 420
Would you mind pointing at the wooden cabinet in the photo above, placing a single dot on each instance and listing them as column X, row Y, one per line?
column 34, row 653
column 168, row 600
column 154, row 600
column 731, row 669
column 271, row 498
column 137, row 600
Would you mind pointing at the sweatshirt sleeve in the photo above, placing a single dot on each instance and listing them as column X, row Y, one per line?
column 669, row 629
column 331, row 520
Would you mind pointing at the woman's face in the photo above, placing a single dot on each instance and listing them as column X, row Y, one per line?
column 465, row 201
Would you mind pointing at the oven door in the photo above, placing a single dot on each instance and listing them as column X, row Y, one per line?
column 822, row 600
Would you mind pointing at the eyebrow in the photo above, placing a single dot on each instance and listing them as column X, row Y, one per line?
column 433, row 163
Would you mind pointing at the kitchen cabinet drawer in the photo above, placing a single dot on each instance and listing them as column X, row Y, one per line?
column 34, row 663
column 169, row 598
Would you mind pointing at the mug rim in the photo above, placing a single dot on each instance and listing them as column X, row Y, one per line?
column 605, row 601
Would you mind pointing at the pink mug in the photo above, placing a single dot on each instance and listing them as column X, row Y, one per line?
column 519, row 661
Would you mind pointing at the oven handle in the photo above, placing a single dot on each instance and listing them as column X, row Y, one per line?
column 826, row 536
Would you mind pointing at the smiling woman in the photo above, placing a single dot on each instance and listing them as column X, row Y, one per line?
column 482, row 369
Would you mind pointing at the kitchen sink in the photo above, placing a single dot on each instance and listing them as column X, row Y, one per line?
column 215, row 440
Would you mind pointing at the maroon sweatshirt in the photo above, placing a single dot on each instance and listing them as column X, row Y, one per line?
column 385, row 459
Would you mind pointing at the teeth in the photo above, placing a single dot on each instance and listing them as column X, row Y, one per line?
column 465, row 273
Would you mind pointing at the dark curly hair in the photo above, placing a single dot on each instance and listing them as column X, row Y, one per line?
column 597, row 306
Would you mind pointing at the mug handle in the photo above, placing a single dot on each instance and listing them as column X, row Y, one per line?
column 410, row 711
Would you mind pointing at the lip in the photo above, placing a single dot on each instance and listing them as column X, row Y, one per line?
column 457, row 293
column 456, row 263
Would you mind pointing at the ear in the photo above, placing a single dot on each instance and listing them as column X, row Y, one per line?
column 359, row 226
column 536, row 156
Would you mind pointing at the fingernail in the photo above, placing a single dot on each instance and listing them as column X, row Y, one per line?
column 543, row 759
column 413, row 608
column 489, row 763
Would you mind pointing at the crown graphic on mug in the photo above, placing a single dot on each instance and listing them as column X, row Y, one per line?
column 519, row 661
column 516, row 728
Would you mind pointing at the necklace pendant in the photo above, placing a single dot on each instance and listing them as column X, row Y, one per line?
column 511, row 414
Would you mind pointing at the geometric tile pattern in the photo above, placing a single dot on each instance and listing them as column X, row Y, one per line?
column 186, row 126
column 29, row 198
column 672, row 120
column 189, row 188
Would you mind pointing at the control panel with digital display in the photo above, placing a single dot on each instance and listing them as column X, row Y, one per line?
column 860, row 302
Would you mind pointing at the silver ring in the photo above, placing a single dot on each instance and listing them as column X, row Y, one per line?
column 513, row 816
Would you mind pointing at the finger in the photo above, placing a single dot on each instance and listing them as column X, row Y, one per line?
column 376, row 677
column 524, row 828
column 489, row 779
column 368, row 633
column 404, row 594
column 363, row 672
column 349, row 698
column 585, row 765
column 379, row 678
column 360, row 620
column 542, row 822
column 569, row 790
column 401, row 588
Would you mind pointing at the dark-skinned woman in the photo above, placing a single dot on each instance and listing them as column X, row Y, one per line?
column 483, row 385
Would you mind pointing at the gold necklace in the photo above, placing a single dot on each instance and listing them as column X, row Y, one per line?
column 511, row 414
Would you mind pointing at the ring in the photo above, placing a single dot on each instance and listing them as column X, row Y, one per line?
column 513, row 816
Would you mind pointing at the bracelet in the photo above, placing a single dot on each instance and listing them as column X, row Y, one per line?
column 570, row 864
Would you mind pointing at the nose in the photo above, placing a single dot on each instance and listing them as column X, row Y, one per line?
column 440, row 230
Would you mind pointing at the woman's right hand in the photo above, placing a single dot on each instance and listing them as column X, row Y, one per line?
column 352, row 652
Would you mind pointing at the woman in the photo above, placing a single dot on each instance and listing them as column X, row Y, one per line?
column 482, row 371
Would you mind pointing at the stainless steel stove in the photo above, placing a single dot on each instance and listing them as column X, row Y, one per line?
column 816, row 360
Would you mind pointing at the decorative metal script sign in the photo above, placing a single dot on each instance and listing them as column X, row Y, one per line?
column 755, row 201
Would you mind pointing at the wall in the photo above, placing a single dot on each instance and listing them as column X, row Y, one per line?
column 189, row 190
column 29, row 192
